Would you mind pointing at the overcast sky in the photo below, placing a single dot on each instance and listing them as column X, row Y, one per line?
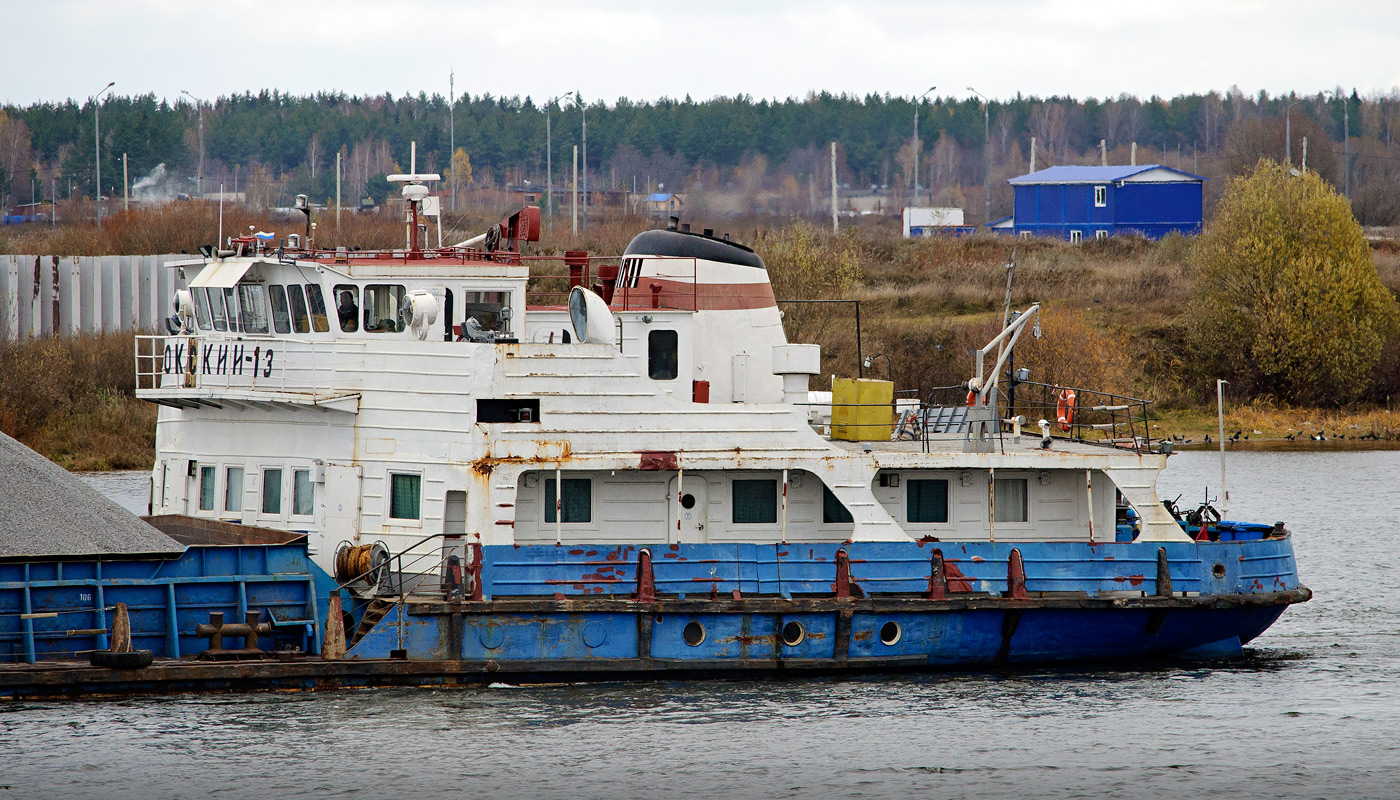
column 58, row 49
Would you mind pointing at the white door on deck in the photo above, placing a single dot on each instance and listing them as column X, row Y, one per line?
column 692, row 506
column 340, row 509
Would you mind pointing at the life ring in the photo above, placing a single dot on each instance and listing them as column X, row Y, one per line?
column 1064, row 409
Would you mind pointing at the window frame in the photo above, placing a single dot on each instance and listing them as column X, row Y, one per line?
column 394, row 322
column 389, row 517
column 1026, row 482
column 234, row 490
column 1100, row 234
column 828, row 495
column 1100, row 197
column 298, row 311
column 202, row 316
column 734, row 504
column 253, row 316
column 311, row 485
column 471, row 309
column 1076, row 236
column 316, row 299
column 279, row 485
column 281, row 321
column 342, row 320
column 547, row 505
column 653, row 356
column 212, row 472
column 908, row 484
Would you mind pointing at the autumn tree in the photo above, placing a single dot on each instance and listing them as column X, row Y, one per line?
column 1287, row 300
column 461, row 170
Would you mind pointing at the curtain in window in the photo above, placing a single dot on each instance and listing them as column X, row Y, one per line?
column 755, row 501
column 303, row 493
column 926, row 501
column 1009, row 494
column 206, row 488
column 578, row 500
column 405, row 496
column 272, row 491
column 233, row 489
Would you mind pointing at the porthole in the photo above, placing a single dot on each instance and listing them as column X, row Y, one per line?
column 693, row 634
column 1218, row 570
column 890, row 633
column 794, row 633
column 687, row 501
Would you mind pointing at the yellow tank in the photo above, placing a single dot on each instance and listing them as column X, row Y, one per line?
column 862, row 409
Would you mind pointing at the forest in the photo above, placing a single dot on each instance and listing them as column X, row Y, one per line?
column 270, row 145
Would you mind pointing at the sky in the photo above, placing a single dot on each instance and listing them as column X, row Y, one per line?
column 607, row 49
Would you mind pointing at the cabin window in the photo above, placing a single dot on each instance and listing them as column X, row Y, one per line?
column 218, row 317
column 201, row 308
column 833, row 510
column 1010, row 497
column 382, row 303
column 487, row 309
column 207, row 478
column 233, row 489
column 252, row 308
column 1075, row 237
column 281, row 318
column 755, row 502
column 577, row 503
column 663, row 349
column 296, row 302
column 272, row 491
column 231, row 308
column 317, row 304
column 347, row 307
column 405, row 495
column 926, row 501
column 303, row 493
column 1100, row 196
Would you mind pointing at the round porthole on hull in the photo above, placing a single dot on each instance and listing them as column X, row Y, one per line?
column 794, row 634
column 890, row 633
column 693, row 634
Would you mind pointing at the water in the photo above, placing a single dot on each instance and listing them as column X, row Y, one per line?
column 1311, row 712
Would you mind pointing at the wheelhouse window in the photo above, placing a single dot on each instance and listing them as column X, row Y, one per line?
column 347, row 307
column 1100, row 196
column 488, row 309
column 833, row 510
column 405, row 496
column 317, row 303
column 1011, row 498
column 201, row 308
column 233, row 489
column 926, row 500
column 663, row 360
column 230, row 305
column 755, row 502
column 382, row 304
column 577, row 503
column 303, row 493
column 296, row 308
column 281, row 316
column 207, row 477
column 252, row 308
column 272, row 491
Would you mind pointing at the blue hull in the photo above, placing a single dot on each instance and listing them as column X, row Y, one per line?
column 560, row 609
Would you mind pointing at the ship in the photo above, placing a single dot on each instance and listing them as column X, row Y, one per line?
column 551, row 466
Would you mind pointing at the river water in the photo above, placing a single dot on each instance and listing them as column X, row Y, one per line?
column 1312, row 711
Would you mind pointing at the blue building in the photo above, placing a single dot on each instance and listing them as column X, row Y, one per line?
column 1075, row 203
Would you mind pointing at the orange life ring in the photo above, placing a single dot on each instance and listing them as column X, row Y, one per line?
column 972, row 399
column 1064, row 409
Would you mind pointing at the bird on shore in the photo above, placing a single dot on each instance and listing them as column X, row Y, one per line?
column 1207, row 438
column 1320, row 436
column 1289, row 437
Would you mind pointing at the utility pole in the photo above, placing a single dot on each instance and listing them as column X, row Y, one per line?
column 834, row 225
column 451, row 138
column 1346, row 146
column 1103, row 152
column 126, row 186
column 917, row 102
column 337, row 192
column 199, row 176
column 97, row 141
column 573, row 193
column 578, row 98
column 987, row 150
column 1288, row 133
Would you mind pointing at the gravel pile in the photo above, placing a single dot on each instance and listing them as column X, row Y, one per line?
column 44, row 511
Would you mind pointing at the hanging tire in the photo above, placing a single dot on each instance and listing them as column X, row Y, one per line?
column 135, row 659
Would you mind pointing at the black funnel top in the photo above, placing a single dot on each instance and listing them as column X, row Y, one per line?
column 692, row 245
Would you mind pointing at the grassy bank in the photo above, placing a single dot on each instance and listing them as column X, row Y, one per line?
column 1113, row 319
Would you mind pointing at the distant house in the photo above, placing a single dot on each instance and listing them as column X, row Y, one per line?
column 933, row 221
column 1075, row 203
column 662, row 204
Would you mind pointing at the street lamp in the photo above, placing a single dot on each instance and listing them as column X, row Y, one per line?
column 1288, row 132
column 578, row 100
column 987, row 150
column 549, row 163
column 97, row 140
column 919, row 100
column 199, row 177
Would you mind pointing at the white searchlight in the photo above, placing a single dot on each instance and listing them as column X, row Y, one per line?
column 593, row 322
